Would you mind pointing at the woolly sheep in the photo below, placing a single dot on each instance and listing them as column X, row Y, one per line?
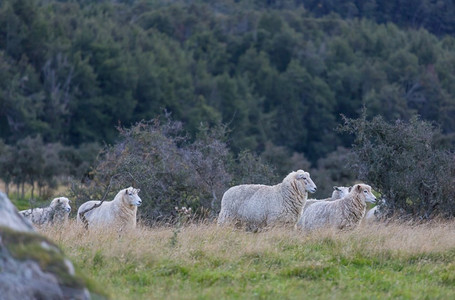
column 56, row 212
column 371, row 214
column 256, row 205
column 119, row 212
column 344, row 213
column 375, row 213
column 338, row 193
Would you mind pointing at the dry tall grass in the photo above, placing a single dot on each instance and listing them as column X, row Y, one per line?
column 231, row 244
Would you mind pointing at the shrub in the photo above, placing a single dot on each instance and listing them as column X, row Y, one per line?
column 249, row 168
column 405, row 163
column 171, row 169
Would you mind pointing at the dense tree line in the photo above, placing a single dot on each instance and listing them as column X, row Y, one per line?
column 434, row 16
column 277, row 73
column 72, row 71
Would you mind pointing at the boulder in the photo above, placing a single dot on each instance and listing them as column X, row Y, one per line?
column 31, row 266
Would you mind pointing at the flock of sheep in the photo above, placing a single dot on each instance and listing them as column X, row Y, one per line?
column 120, row 212
column 257, row 206
column 252, row 206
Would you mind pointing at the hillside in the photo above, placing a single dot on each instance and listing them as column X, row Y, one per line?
column 278, row 74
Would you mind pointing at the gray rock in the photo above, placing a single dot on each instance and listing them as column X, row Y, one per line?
column 10, row 217
column 32, row 267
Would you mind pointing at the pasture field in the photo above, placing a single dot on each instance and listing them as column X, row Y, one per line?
column 207, row 262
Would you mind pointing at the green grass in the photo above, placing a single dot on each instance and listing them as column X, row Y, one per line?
column 207, row 262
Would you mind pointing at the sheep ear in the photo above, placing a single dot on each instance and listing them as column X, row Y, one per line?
column 349, row 189
column 58, row 200
column 334, row 187
column 359, row 188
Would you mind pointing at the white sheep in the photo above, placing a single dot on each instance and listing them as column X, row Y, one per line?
column 56, row 212
column 344, row 213
column 338, row 193
column 376, row 212
column 119, row 212
column 257, row 205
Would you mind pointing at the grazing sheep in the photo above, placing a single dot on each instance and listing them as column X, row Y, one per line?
column 257, row 205
column 371, row 214
column 119, row 212
column 56, row 212
column 344, row 213
column 375, row 213
column 338, row 193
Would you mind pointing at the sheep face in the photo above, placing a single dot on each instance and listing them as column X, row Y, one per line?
column 62, row 203
column 304, row 179
column 340, row 191
column 365, row 192
column 132, row 197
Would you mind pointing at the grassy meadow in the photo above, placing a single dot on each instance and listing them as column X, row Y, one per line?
column 206, row 262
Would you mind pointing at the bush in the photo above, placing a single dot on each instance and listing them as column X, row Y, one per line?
column 248, row 168
column 405, row 163
column 171, row 169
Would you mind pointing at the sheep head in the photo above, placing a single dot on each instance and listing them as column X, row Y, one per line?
column 304, row 179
